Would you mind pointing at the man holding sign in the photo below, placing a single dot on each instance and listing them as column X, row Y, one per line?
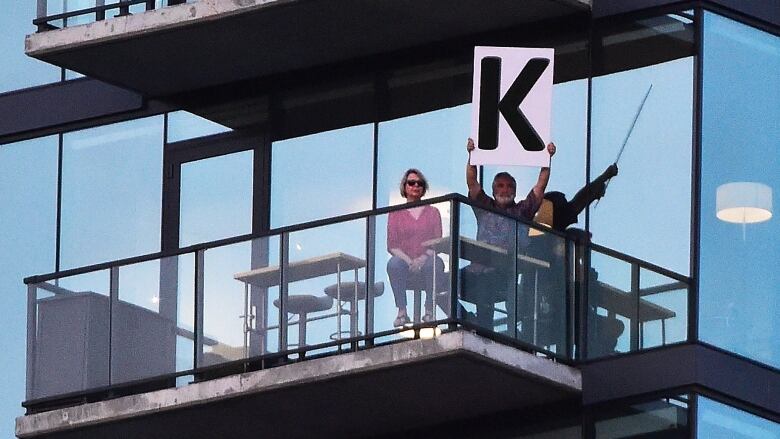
column 512, row 99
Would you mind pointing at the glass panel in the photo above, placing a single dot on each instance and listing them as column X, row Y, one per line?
column 414, row 236
column 71, row 348
column 216, row 198
column 542, row 301
column 145, row 329
column 739, row 187
column 650, row 197
column 326, row 272
column 183, row 125
column 611, row 306
column 321, row 175
column 240, row 282
column 426, row 142
column 661, row 292
column 632, row 307
column 720, row 421
column 488, row 281
column 665, row 418
column 20, row 70
column 111, row 192
column 651, row 194
column 28, row 222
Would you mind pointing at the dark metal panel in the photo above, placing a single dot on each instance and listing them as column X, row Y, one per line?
column 63, row 103
column 738, row 378
column 636, row 374
column 767, row 11
column 689, row 365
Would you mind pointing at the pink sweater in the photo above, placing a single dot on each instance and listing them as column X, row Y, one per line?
column 407, row 234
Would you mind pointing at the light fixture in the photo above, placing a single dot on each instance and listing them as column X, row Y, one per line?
column 744, row 202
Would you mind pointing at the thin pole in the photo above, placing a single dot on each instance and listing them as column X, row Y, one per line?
column 628, row 135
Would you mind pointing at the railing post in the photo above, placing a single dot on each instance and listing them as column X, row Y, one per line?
column 581, row 291
column 370, row 263
column 124, row 8
column 284, row 260
column 113, row 303
column 199, row 306
column 100, row 15
column 635, row 321
column 454, row 258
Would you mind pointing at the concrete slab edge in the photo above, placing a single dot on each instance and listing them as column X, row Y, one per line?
column 156, row 20
column 297, row 374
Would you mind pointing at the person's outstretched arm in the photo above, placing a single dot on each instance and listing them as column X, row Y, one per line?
column 544, row 175
column 592, row 191
column 471, row 173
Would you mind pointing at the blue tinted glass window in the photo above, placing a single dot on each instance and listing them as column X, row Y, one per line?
column 321, row 175
column 431, row 142
column 738, row 293
column 720, row 421
column 183, row 125
column 28, row 213
column 19, row 70
column 646, row 210
column 111, row 192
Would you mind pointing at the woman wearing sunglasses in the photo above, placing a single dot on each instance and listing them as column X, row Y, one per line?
column 411, row 262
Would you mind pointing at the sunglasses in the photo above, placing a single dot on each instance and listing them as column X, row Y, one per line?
column 418, row 183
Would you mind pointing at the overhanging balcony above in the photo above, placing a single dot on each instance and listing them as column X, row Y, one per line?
column 206, row 43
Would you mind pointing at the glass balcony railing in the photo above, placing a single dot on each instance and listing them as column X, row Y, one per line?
column 340, row 285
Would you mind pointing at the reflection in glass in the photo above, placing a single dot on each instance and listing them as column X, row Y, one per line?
column 666, row 418
column 720, row 421
column 321, row 175
column 630, row 308
column 327, row 264
column 71, row 348
column 28, row 223
column 739, row 279
column 216, row 198
column 145, row 331
column 240, row 281
column 646, row 210
column 111, row 197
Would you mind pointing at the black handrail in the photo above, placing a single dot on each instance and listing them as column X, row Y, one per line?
column 44, row 23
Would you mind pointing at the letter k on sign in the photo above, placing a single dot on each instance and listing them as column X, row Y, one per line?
column 512, row 129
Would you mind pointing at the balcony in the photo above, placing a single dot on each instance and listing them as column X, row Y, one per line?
column 161, row 51
column 303, row 318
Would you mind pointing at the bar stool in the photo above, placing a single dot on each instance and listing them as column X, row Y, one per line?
column 416, row 284
column 303, row 305
column 351, row 292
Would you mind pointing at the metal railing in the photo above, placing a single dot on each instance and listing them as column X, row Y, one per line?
column 100, row 11
column 316, row 289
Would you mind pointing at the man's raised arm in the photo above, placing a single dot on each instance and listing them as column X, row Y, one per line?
column 544, row 175
column 471, row 173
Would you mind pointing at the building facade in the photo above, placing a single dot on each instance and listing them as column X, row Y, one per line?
column 195, row 216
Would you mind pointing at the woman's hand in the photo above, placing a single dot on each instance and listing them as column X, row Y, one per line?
column 418, row 263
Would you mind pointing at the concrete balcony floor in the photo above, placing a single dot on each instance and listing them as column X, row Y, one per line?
column 408, row 384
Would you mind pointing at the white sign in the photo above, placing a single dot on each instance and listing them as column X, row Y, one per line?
column 511, row 106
